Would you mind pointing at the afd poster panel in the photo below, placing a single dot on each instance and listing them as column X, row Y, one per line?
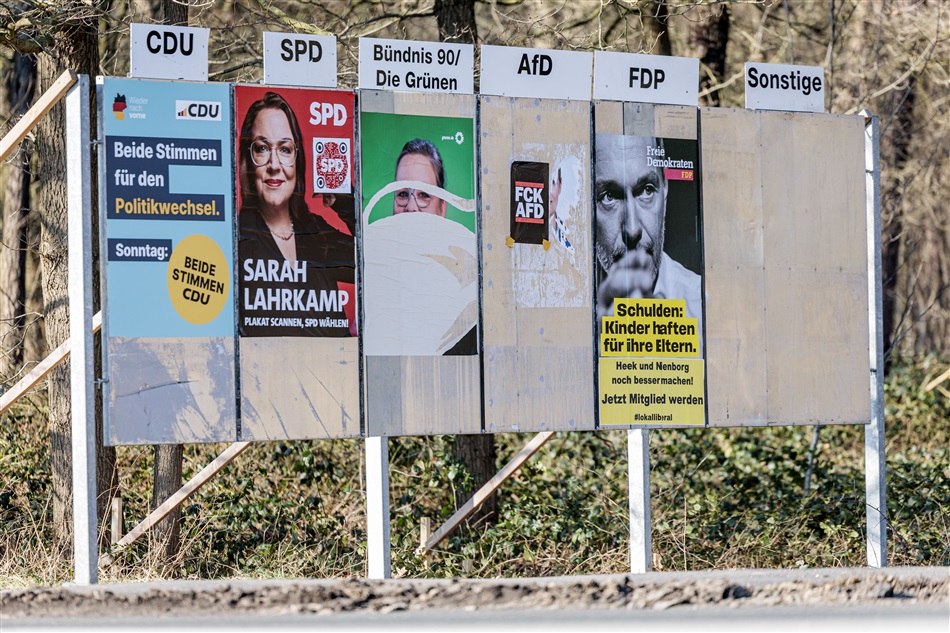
column 420, row 288
column 168, row 222
column 649, row 305
column 537, row 267
column 294, row 178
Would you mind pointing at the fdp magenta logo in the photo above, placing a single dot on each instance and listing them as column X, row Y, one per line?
column 198, row 110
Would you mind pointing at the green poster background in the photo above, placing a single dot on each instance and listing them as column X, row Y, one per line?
column 383, row 136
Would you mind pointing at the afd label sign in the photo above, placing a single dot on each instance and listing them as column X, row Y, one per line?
column 291, row 59
column 509, row 71
column 646, row 78
column 784, row 87
column 169, row 52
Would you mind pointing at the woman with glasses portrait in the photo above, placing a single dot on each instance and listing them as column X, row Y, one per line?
column 292, row 262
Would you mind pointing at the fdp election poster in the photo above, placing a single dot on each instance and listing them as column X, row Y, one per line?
column 294, row 179
column 168, row 227
column 649, row 304
column 421, row 268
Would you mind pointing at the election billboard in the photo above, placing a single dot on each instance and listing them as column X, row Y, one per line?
column 420, row 284
column 168, row 265
column 537, row 273
column 294, row 178
column 648, row 266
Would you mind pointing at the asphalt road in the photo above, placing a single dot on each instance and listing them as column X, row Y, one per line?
column 895, row 600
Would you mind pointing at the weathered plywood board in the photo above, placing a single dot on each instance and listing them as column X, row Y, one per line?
column 300, row 388
column 816, row 268
column 173, row 391
column 299, row 360
column 786, row 261
column 411, row 388
column 735, row 267
column 537, row 302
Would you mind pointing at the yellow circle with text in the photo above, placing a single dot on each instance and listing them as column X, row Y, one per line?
column 198, row 279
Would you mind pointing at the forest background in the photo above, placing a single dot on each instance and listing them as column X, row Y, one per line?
column 721, row 498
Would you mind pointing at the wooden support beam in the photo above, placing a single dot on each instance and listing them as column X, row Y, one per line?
column 39, row 372
column 175, row 500
column 45, row 103
column 117, row 520
column 485, row 491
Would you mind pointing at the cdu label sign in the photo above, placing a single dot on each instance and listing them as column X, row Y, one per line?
column 168, row 52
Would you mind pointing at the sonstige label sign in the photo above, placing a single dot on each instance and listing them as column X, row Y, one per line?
column 784, row 87
column 530, row 72
column 417, row 66
column 168, row 52
column 300, row 60
column 646, row 78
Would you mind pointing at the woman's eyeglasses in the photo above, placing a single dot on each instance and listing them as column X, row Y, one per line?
column 422, row 198
column 261, row 152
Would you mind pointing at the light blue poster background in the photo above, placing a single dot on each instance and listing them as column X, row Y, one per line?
column 137, row 293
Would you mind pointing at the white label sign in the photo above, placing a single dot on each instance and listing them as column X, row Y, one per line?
column 784, row 87
column 169, row 52
column 532, row 72
column 417, row 66
column 646, row 78
column 291, row 59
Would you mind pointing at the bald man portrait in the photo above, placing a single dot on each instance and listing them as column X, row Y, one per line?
column 631, row 194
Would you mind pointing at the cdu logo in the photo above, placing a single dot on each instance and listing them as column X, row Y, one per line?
column 198, row 110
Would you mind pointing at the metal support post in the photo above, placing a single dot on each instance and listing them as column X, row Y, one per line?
column 378, row 553
column 638, row 474
column 874, row 458
column 82, row 367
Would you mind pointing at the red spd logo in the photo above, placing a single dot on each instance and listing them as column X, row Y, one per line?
column 331, row 165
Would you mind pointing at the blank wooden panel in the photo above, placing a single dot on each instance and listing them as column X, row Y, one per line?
column 537, row 304
column 173, row 391
column 813, row 183
column 420, row 395
column 735, row 268
column 786, row 285
column 816, row 268
column 299, row 388
column 818, row 364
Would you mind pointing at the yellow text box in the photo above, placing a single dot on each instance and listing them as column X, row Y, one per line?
column 652, row 391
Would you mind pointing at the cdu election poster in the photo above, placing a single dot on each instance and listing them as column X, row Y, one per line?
column 166, row 201
column 167, row 176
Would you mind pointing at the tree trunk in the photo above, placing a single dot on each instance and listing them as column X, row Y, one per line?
column 168, row 457
column 456, row 20
column 708, row 38
column 896, row 134
column 655, row 15
column 19, row 86
column 76, row 49
column 166, row 536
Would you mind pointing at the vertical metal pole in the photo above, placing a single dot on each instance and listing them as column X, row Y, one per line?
column 377, row 508
column 638, row 475
column 82, row 393
column 874, row 458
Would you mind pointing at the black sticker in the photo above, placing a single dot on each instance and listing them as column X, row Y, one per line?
column 529, row 202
